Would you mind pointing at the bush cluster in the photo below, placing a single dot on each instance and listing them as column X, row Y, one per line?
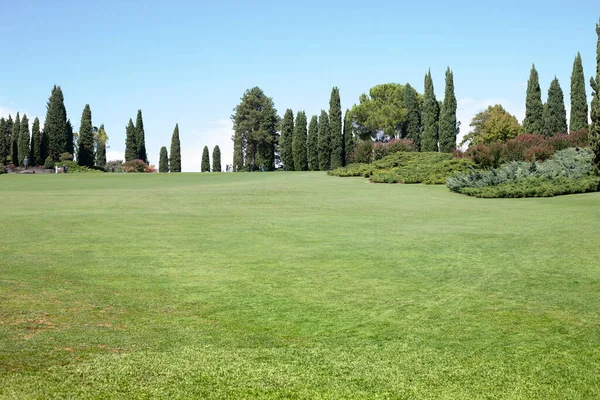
column 367, row 151
column 137, row 166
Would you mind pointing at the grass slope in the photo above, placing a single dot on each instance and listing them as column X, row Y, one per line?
column 293, row 285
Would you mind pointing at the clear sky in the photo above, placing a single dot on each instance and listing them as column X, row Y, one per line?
column 191, row 61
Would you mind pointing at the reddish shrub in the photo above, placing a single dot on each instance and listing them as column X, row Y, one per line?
column 135, row 166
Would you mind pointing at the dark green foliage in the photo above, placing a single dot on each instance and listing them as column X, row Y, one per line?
column 216, row 160
column 255, row 124
column 335, row 129
column 85, row 145
column 595, row 107
column 55, row 126
column 101, row 138
column 324, row 142
column 448, row 123
column 163, row 161
column 348, row 138
column 14, row 141
column 555, row 115
column 536, row 187
column 175, row 160
column 286, row 140
column 312, row 144
column 70, row 138
column 35, row 155
column 363, row 152
column 430, row 117
column 3, row 142
column 131, row 149
column 299, row 143
column 140, row 138
column 23, row 144
column 49, row 163
column 205, row 167
column 534, row 108
column 412, row 127
column 579, row 101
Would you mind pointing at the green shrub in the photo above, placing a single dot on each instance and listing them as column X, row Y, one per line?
column 114, row 166
column 536, row 187
column 49, row 163
column 73, row 167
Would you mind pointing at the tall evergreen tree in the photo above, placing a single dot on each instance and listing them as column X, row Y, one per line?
column 348, row 138
column 70, row 139
column 579, row 102
column 286, row 140
column 534, row 108
column 448, row 125
column 101, row 140
column 175, row 160
column 23, row 143
column 85, row 145
column 140, row 138
column 205, row 160
column 216, row 157
column 312, row 145
column 131, row 149
column 163, row 161
column 595, row 107
column 3, row 142
column 299, row 143
column 36, row 144
column 8, row 128
column 55, row 126
column 430, row 117
column 555, row 115
column 412, row 127
column 335, row 130
column 14, row 141
column 324, row 142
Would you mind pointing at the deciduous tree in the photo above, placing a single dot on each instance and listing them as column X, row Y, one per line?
column 494, row 124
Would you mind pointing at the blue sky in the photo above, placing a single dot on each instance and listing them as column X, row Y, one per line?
column 191, row 61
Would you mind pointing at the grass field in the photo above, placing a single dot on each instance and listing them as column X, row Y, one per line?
column 293, row 285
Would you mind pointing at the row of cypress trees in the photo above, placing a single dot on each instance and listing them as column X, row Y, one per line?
column 135, row 140
column 439, row 126
column 174, row 164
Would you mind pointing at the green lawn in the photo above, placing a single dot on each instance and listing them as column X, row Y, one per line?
column 293, row 285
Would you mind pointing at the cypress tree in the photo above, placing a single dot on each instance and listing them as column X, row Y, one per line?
column 205, row 160
column 8, row 127
column 23, row 144
column 163, row 161
column 312, row 146
column 175, row 160
column 412, row 127
column 534, row 108
column 448, row 124
column 44, row 146
column 101, row 139
column 579, row 102
column 595, row 107
column 286, row 139
column 70, row 140
column 299, row 143
column 348, row 138
column 36, row 145
column 85, row 145
column 131, row 149
column 216, row 156
column 55, row 126
column 555, row 115
column 324, row 142
column 238, row 152
column 14, row 141
column 335, row 130
column 431, row 112
column 140, row 138
column 3, row 142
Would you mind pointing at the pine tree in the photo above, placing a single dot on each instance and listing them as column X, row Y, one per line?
column 312, row 146
column 595, row 107
column 448, row 125
column 14, row 141
column 140, row 138
column 299, row 143
column 534, row 108
column 101, row 140
column 348, row 138
column 205, row 160
column 216, row 156
column 175, row 160
column 579, row 102
column 555, row 115
column 285, row 140
column 431, row 112
column 23, row 143
column 85, row 145
column 131, row 149
column 324, row 142
column 163, row 161
column 238, row 151
column 3, row 142
column 55, row 126
column 36, row 144
column 412, row 127
column 335, row 130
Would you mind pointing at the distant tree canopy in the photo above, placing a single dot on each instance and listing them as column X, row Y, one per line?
column 494, row 124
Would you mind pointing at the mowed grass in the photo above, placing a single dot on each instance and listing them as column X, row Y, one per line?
column 293, row 285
